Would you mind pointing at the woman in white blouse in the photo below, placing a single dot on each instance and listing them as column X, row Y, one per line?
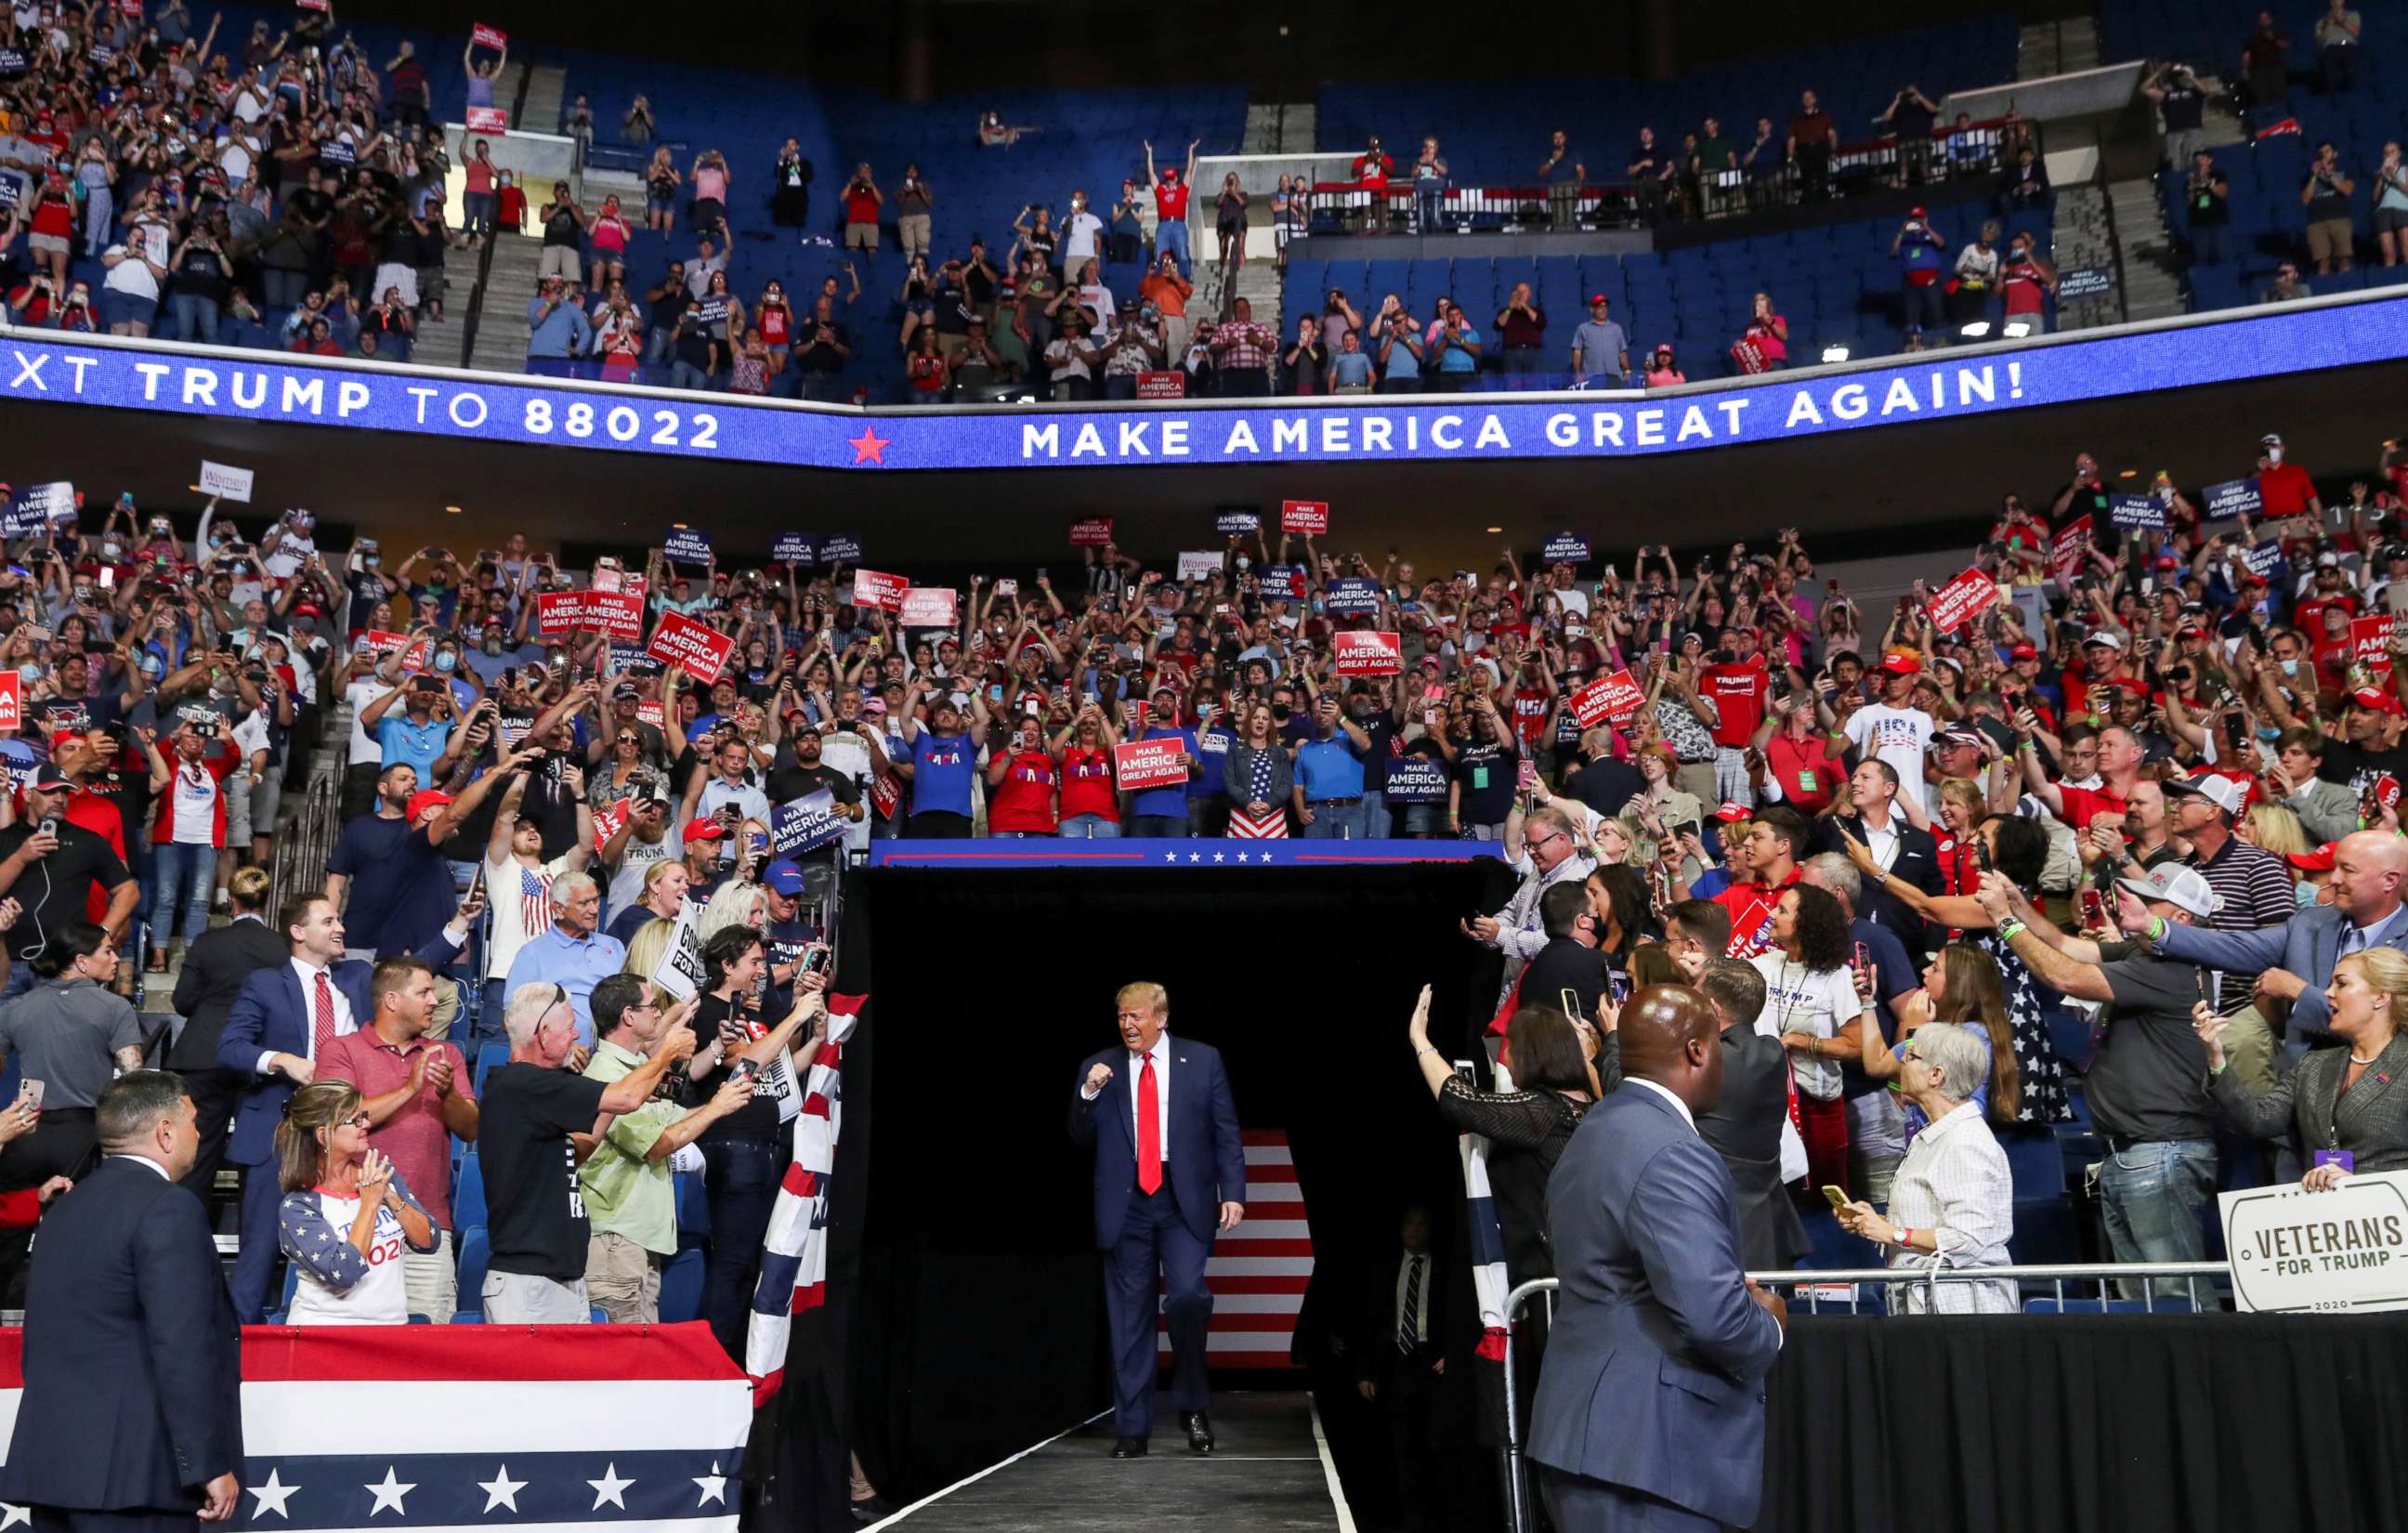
column 1953, row 1198
column 1812, row 1006
column 347, row 1213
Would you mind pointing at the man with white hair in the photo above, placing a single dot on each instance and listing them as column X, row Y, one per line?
column 1551, row 855
column 575, row 955
column 536, row 1113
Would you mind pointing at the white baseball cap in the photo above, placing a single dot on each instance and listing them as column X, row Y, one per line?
column 2184, row 888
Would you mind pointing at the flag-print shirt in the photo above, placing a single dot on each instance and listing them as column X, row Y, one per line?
column 519, row 900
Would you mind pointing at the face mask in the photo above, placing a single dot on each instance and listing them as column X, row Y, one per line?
column 2290, row 667
column 2273, row 454
column 2304, row 894
column 371, row 561
column 110, row 550
column 1244, row 563
column 446, row 660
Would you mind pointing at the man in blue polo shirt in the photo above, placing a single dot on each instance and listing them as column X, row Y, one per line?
column 1329, row 774
column 1163, row 811
column 943, row 758
column 411, row 736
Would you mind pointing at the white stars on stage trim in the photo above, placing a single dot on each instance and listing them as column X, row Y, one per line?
column 609, row 1488
column 12, row 1514
column 501, row 1490
column 389, row 1493
column 712, row 1486
column 272, row 1496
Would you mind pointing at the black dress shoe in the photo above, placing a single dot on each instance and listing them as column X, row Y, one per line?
column 869, row 1508
column 1199, row 1431
column 1128, row 1447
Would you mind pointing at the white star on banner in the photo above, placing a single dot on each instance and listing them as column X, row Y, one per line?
column 1196, row 856
column 501, row 1490
column 1216, row 856
column 389, row 1493
column 12, row 1514
column 1242, row 856
column 713, row 1485
column 609, row 1488
column 1170, row 856
column 272, row 1496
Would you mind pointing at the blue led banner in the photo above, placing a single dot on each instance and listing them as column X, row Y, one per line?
column 1046, row 851
column 1931, row 386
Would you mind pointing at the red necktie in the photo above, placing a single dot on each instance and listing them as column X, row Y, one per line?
column 323, row 1034
column 1149, row 1131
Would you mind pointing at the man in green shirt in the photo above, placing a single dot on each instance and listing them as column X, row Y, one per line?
column 628, row 1182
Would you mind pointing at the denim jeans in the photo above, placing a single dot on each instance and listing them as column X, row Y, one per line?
column 1170, row 236
column 2207, row 244
column 685, row 375
column 182, row 875
column 478, row 209
column 1090, row 828
column 2152, row 1193
column 1333, row 822
column 1429, row 203
column 1157, row 827
column 741, row 1182
column 196, row 317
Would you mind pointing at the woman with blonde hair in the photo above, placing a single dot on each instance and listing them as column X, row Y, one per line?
column 347, row 1213
column 735, row 903
column 1962, row 985
column 2275, row 828
column 645, row 948
column 1962, row 810
column 2344, row 1109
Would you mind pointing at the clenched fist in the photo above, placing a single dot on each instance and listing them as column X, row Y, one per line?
column 1099, row 1077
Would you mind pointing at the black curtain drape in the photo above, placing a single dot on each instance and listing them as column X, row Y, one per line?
column 981, row 1327
column 2088, row 1424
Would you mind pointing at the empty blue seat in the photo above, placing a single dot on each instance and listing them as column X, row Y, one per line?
column 476, row 1254
column 681, row 1287
column 468, row 1197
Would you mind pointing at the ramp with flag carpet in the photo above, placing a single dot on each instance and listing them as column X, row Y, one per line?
column 1271, row 1471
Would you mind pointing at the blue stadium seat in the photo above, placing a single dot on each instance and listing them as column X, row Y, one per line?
column 489, row 1057
column 468, row 1197
column 693, row 1208
column 468, row 1317
column 2046, row 1228
column 476, row 1253
column 681, row 1287
column 2112, row 1307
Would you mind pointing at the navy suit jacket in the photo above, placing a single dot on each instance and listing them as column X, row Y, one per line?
column 1207, row 1165
column 133, row 1361
column 1655, row 1368
column 2308, row 945
column 272, row 1015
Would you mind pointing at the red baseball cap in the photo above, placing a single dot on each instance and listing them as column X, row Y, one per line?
column 1732, row 811
column 2380, row 699
column 2318, row 861
column 2022, row 652
column 705, row 830
column 424, row 799
column 1900, row 663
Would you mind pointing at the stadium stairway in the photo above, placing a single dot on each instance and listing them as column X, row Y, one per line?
column 2150, row 276
column 539, row 112
column 502, row 322
column 439, row 345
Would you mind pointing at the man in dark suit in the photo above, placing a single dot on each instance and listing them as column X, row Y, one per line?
column 273, row 1032
column 132, row 1415
column 215, row 967
column 1650, row 1408
column 1570, row 961
column 1400, row 1368
column 1911, row 854
column 1169, row 1173
column 1744, row 1126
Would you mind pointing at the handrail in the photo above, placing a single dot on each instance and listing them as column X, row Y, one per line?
column 1517, row 1490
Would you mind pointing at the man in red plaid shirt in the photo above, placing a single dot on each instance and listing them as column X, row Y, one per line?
column 1242, row 350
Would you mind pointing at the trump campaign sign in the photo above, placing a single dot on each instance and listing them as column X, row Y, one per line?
column 1961, row 600
column 2369, row 642
column 2339, row 1251
column 1308, row 516
column 13, row 700
column 1609, row 699
column 488, row 119
column 928, row 606
column 682, row 642
column 875, row 589
column 1149, row 764
column 1093, row 533
column 612, row 613
column 1365, row 653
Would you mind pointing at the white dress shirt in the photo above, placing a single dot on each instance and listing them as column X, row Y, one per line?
column 344, row 1021
column 1955, row 1183
column 1665, row 1092
column 143, row 1160
column 1135, row 1064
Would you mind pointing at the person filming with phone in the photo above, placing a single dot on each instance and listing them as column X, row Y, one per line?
column 51, row 868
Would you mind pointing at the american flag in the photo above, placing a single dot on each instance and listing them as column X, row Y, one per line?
column 589, row 1426
column 535, row 903
column 1270, row 826
column 794, row 1254
column 1257, row 1274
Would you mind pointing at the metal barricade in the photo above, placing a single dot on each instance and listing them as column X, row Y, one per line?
column 1928, row 1276
column 305, row 841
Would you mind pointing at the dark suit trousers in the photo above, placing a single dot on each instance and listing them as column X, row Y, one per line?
column 254, row 1265
column 216, row 1094
column 66, row 1144
column 1408, row 1405
column 1155, row 1241
column 135, row 1519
